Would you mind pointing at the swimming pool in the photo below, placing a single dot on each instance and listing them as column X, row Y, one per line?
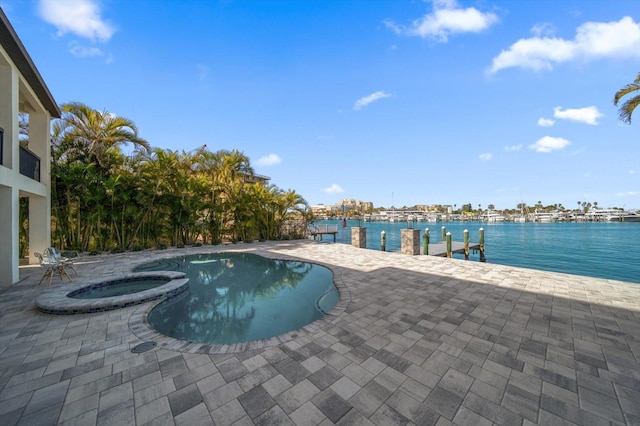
column 241, row 297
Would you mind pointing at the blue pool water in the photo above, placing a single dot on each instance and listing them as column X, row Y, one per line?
column 599, row 249
column 240, row 297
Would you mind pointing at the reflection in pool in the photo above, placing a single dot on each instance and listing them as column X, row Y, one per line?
column 240, row 297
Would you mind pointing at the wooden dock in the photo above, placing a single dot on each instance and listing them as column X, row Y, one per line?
column 440, row 248
column 321, row 230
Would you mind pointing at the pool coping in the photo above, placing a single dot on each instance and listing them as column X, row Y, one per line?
column 142, row 330
column 56, row 302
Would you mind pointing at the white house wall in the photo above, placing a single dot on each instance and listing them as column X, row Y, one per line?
column 14, row 93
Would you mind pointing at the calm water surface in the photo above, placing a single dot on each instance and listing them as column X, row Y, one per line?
column 605, row 250
column 240, row 297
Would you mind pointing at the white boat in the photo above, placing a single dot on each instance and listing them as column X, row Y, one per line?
column 493, row 217
column 544, row 217
column 630, row 216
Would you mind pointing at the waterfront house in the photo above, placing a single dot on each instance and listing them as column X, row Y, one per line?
column 24, row 170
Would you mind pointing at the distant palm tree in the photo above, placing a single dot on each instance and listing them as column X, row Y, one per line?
column 627, row 108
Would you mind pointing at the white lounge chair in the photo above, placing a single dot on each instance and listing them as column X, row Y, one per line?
column 51, row 266
column 54, row 253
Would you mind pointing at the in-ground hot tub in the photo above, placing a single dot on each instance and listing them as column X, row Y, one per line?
column 114, row 293
column 118, row 287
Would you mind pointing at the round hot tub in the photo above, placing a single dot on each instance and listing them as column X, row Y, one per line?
column 118, row 287
column 114, row 293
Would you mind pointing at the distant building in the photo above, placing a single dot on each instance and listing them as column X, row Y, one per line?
column 264, row 180
column 24, row 171
column 320, row 209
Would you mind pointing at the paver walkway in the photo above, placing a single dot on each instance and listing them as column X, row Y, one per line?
column 421, row 340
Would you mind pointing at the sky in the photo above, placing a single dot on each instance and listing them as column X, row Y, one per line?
column 397, row 102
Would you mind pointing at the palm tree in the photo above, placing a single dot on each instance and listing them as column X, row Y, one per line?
column 99, row 132
column 627, row 108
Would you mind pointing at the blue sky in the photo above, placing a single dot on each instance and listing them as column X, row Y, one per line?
column 394, row 102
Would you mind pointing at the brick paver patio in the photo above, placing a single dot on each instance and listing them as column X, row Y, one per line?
column 419, row 340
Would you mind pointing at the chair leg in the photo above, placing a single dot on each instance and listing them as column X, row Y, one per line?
column 63, row 271
column 75, row 271
column 44, row 275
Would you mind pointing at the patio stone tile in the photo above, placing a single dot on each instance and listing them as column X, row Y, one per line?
column 456, row 382
column 388, row 416
column 307, row 415
column 443, row 402
column 210, row 383
column 222, row 395
column 276, row 385
column 154, row 391
column 291, row 399
column 197, row 415
column 116, row 414
column 369, row 399
column 324, row 377
column 274, row 416
column 352, row 418
column 184, row 399
column 292, row 370
column 331, row 405
column 490, row 410
column 173, row 367
column 43, row 398
column 228, row 414
column 465, row 416
column 88, row 418
column 45, row 416
column 522, row 402
column 156, row 408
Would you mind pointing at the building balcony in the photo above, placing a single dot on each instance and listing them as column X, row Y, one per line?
column 29, row 164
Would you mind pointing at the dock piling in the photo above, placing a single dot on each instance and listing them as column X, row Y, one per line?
column 425, row 241
column 482, row 258
column 448, row 243
column 444, row 233
column 383, row 241
column 466, row 244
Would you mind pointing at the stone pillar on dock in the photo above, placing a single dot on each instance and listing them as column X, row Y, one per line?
column 410, row 241
column 359, row 237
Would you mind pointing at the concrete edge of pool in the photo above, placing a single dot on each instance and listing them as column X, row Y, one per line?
column 142, row 330
column 55, row 301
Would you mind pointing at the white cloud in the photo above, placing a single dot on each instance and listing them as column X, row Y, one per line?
column 333, row 189
column 83, row 52
column 548, row 144
column 588, row 115
column 269, row 160
column 593, row 40
column 446, row 19
column 485, row 157
column 80, row 17
column 364, row 101
column 543, row 29
column 545, row 122
column 513, row 148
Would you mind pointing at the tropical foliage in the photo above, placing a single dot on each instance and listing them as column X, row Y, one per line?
column 631, row 102
column 104, row 199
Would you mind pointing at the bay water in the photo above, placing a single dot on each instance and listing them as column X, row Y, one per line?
column 597, row 249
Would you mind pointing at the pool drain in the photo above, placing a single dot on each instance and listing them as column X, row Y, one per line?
column 143, row 347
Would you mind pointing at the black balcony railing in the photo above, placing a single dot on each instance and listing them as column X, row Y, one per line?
column 1, row 146
column 29, row 164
